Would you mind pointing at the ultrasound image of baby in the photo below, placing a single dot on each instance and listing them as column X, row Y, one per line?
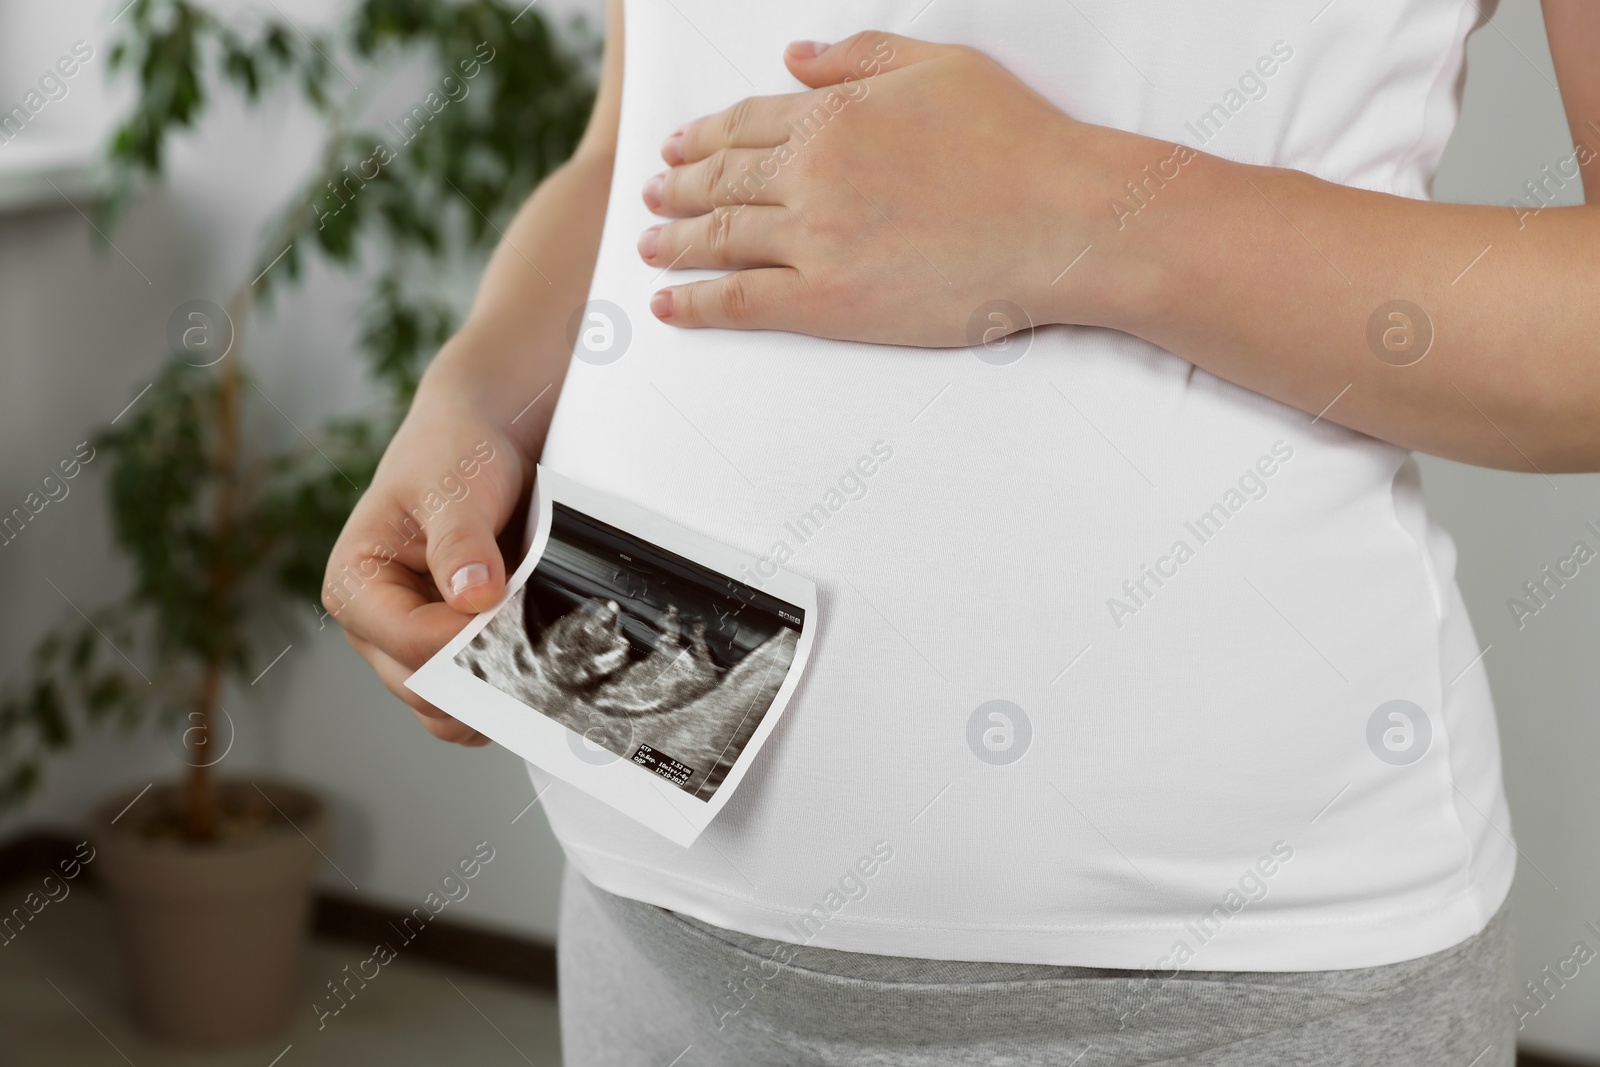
column 583, row 672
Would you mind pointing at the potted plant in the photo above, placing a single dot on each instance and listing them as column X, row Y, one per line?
column 227, row 537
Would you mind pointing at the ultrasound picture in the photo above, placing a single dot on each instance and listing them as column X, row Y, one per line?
column 660, row 660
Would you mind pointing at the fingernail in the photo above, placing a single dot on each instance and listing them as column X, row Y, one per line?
column 672, row 148
column 467, row 577
column 661, row 304
column 807, row 49
column 652, row 191
column 649, row 241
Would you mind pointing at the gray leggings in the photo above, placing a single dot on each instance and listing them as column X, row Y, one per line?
column 645, row 987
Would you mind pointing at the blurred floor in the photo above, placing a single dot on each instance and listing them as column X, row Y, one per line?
column 413, row 1013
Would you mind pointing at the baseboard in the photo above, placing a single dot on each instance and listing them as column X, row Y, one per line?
column 38, row 853
column 508, row 957
column 1525, row 1058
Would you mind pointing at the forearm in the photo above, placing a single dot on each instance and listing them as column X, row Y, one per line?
column 1269, row 278
column 510, row 356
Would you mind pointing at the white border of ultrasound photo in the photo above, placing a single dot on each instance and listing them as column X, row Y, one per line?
column 631, row 789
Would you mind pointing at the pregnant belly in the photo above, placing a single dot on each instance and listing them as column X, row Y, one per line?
column 1164, row 585
column 1098, row 498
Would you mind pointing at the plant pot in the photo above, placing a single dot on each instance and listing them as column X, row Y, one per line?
column 212, row 934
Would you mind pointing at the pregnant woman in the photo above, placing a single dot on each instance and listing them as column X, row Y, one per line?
column 1145, row 722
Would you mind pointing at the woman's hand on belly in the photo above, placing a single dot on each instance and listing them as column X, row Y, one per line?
column 912, row 185
column 919, row 189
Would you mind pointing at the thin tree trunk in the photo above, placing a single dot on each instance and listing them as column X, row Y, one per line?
column 201, row 804
column 202, row 811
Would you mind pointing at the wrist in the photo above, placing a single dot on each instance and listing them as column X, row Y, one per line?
column 461, row 387
column 1125, row 203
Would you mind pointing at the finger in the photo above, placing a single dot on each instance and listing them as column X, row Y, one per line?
column 727, row 177
column 754, row 122
column 394, row 675
column 729, row 238
column 866, row 55
column 771, row 298
column 368, row 550
column 452, row 730
column 463, row 554
column 393, row 607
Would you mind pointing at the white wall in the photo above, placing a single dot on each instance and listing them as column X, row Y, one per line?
column 82, row 332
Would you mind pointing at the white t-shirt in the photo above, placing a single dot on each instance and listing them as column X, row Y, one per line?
column 1197, row 606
